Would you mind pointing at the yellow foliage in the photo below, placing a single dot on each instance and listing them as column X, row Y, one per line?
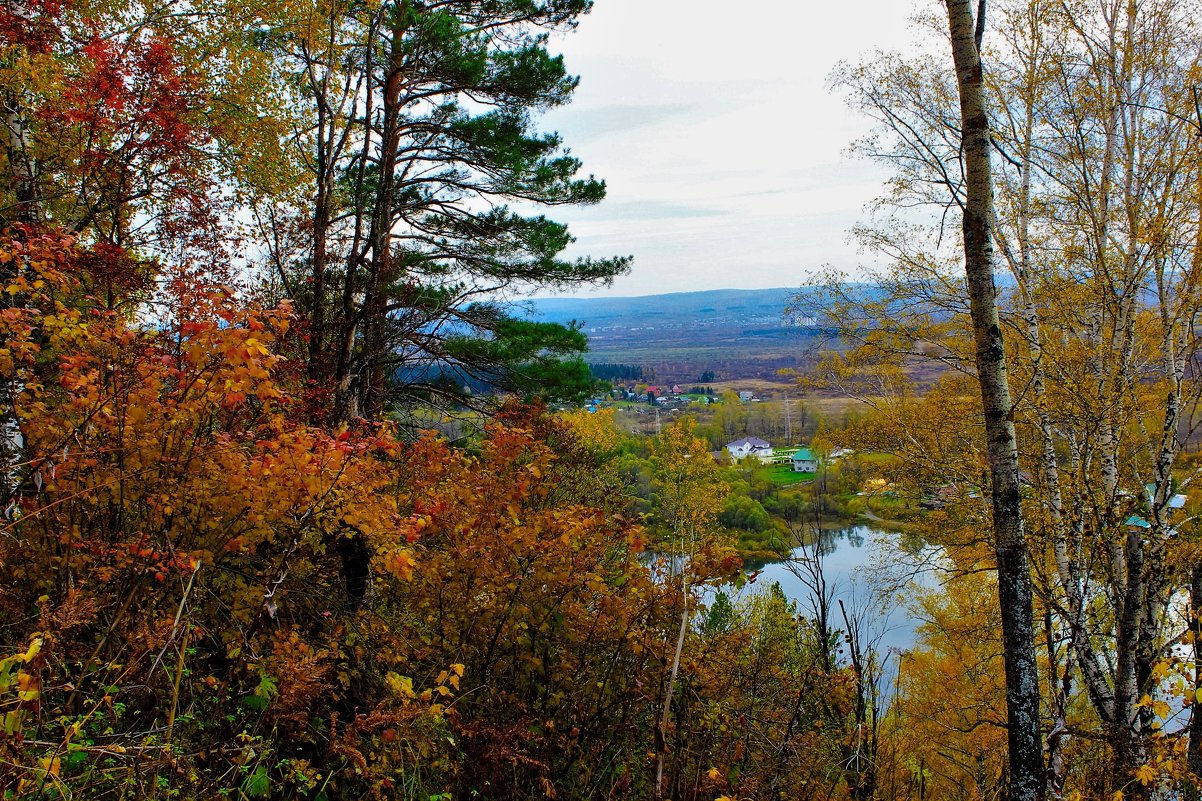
column 597, row 430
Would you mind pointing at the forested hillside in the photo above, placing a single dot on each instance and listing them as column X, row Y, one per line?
column 747, row 306
column 250, row 251
column 298, row 501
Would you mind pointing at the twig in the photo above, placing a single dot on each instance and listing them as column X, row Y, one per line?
column 178, row 614
column 179, row 672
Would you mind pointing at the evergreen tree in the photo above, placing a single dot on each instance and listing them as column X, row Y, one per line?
column 422, row 160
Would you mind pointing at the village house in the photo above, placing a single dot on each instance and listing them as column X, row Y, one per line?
column 804, row 461
column 1172, row 503
column 749, row 446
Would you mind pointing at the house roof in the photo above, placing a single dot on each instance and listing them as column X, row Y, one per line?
column 755, row 443
column 1138, row 522
column 803, row 455
column 1176, row 501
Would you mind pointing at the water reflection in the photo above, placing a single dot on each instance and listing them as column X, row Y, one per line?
column 856, row 570
column 869, row 571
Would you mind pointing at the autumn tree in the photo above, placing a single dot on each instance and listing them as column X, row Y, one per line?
column 948, row 720
column 755, row 703
column 534, row 583
column 689, row 494
column 121, row 126
column 170, row 473
column 1096, row 225
column 181, row 614
column 121, row 131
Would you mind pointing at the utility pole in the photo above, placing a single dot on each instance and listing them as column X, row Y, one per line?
column 788, row 421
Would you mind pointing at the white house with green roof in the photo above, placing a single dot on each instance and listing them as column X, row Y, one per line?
column 804, row 461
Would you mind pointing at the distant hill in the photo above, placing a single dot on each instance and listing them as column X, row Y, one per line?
column 731, row 333
column 727, row 333
column 761, row 306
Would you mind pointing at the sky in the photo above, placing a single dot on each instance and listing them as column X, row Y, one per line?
column 722, row 146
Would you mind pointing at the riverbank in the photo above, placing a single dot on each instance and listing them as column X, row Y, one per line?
column 898, row 526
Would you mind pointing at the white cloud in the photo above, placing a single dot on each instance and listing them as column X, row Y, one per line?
column 721, row 144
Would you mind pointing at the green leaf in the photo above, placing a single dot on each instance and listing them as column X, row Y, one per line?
column 257, row 784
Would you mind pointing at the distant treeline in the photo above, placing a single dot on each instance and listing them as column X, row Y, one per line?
column 707, row 367
column 618, row 372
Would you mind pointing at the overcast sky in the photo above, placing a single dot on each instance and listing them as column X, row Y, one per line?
column 722, row 146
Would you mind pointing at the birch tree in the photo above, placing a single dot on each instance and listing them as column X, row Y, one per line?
column 1096, row 225
column 689, row 496
column 1013, row 561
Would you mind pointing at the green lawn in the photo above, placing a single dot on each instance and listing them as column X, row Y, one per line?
column 782, row 475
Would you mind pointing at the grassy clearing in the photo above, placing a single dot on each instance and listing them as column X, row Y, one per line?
column 782, row 475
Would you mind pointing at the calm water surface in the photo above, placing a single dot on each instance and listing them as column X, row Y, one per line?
column 872, row 572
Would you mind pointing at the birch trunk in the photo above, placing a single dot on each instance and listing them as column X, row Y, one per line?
column 1194, row 759
column 21, row 175
column 1014, row 577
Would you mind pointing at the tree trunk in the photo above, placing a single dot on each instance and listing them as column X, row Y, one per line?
column 21, row 175
column 1194, row 759
column 20, row 159
column 382, row 267
column 359, row 392
column 319, row 256
column 1014, row 576
column 661, row 735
